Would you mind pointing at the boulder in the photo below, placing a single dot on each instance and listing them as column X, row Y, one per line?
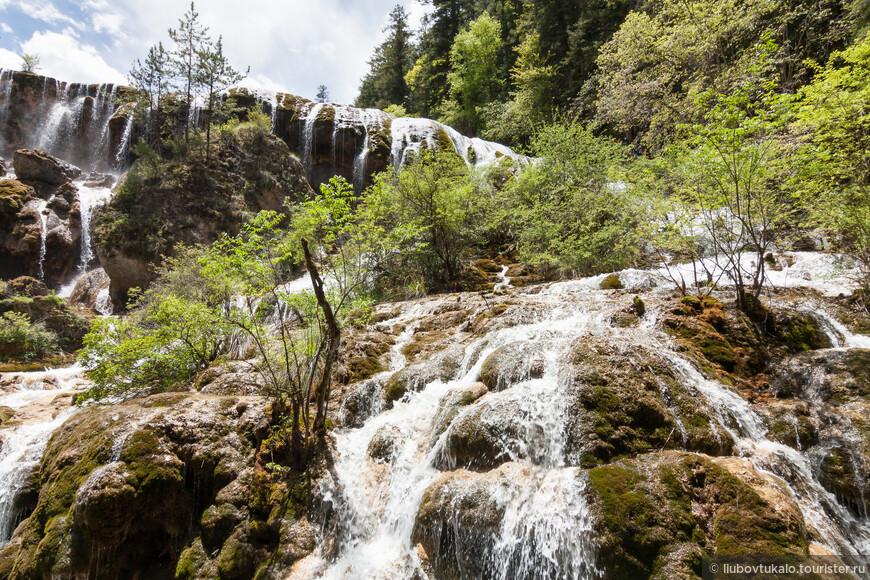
column 164, row 483
column 511, row 364
column 450, row 406
column 88, row 288
column 39, row 166
column 665, row 511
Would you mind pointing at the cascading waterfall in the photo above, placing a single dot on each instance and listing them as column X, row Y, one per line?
column 23, row 444
column 90, row 198
column 308, row 135
column 74, row 121
column 6, row 91
column 547, row 528
column 41, row 206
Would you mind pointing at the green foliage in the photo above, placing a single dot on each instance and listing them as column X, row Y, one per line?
column 473, row 76
column 385, row 83
column 532, row 102
column 433, row 212
column 664, row 56
column 730, row 204
column 21, row 340
column 30, row 62
column 173, row 332
column 836, row 160
column 568, row 211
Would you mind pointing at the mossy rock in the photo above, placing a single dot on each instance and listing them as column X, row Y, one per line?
column 511, row 364
column 627, row 400
column 217, row 523
column 801, row 332
column 191, row 561
column 649, row 508
column 450, row 406
column 611, row 282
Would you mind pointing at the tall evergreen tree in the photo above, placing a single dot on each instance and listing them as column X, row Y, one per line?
column 190, row 37
column 215, row 75
column 385, row 83
column 153, row 80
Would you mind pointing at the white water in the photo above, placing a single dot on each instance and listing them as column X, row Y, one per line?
column 308, row 135
column 41, row 208
column 546, row 521
column 66, row 129
column 23, row 442
column 90, row 198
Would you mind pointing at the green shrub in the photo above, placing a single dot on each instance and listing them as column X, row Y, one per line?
column 21, row 340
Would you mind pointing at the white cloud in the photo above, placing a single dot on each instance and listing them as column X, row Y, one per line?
column 293, row 45
column 46, row 12
column 109, row 23
column 5, row 28
column 9, row 59
column 65, row 58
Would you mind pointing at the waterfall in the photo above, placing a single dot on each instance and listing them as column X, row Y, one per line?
column 90, row 198
column 6, row 91
column 547, row 529
column 41, row 208
column 22, row 445
column 308, row 136
column 124, row 146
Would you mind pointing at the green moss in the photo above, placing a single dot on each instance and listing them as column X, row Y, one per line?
column 801, row 332
column 396, row 387
column 611, row 282
column 639, row 306
column 650, row 507
column 190, row 562
column 326, row 114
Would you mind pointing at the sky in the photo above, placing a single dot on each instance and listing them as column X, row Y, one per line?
column 291, row 45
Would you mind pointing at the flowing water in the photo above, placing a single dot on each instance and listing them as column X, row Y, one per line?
column 73, row 122
column 42, row 402
column 547, row 528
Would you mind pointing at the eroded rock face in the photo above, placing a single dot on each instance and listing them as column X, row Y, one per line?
column 190, row 203
column 40, row 204
column 37, row 165
column 656, row 511
column 165, row 483
column 823, row 401
column 88, row 288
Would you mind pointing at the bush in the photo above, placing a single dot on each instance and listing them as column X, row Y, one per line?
column 569, row 211
column 21, row 340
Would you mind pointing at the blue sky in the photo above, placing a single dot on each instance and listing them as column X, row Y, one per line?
column 291, row 45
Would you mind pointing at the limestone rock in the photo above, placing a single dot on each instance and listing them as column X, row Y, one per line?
column 88, row 288
column 450, row 406
column 39, row 166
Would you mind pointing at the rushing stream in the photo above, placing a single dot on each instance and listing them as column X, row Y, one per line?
column 547, row 528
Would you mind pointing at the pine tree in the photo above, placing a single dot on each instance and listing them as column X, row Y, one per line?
column 215, row 75
column 190, row 37
column 152, row 79
column 385, row 83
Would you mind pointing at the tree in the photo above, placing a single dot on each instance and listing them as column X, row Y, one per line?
column 662, row 57
column 473, row 76
column 30, row 62
column 322, row 94
column 190, row 37
column 435, row 212
column 215, row 75
column 730, row 176
column 837, row 165
column 385, row 83
column 569, row 212
column 428, row 77
column 152, row 81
